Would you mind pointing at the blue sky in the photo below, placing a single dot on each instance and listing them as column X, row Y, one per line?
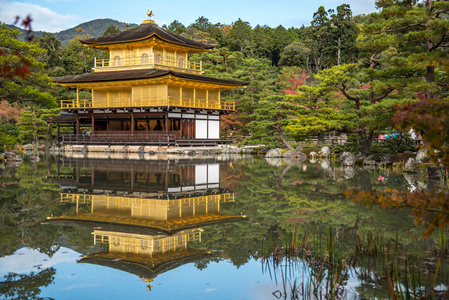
column 57, row 15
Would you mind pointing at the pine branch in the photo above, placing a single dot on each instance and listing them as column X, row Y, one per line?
column 378, row 98
column 439, row 43
column 402, row 28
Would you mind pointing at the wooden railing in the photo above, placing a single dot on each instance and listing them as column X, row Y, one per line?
column 149, row 61
column 122, row 201
column 124, row 138
column 147, row 102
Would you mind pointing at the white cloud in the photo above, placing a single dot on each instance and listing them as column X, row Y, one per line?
column 27, row 260
column 43, row 19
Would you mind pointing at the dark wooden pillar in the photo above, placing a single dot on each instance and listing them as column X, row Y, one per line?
column 77, row 173
column 132, row 178
column 58, row 133
column 93, row 122
column 181, row 128
column 166, row 123
column 132, row 123
column 92, row 178
column 77, row 124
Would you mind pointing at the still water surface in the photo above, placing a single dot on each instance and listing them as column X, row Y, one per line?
column 79, row 228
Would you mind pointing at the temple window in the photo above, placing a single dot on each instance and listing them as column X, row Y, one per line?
column 144, row 244
column 117, row 60
column 144, row 58
column 181, row 63
column 116, row 241
column 157, row 59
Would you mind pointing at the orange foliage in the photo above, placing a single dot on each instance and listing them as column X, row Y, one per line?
column 10, row 113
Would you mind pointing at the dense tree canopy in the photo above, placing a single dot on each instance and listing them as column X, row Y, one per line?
column 346, row 72
column 22, row 77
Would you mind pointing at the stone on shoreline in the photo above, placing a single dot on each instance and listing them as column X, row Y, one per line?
column 277, row 152
column 409, row 165
column 325, row 152
column 421, row 156
column 348, row 159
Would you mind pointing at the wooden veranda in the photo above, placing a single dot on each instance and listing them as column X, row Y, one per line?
column 136, row 139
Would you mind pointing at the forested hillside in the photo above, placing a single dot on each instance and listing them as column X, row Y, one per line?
column 343, row 74
column 93, row 28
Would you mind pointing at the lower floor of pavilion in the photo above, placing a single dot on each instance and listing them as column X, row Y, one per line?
column 162, row 128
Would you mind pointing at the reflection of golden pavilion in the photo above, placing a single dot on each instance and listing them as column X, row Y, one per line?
column 146, row 213
column 145, row 255
column 150, row 179
column 164, row 215
column 147, row 245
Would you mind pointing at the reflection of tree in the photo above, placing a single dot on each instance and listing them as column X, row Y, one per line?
column 26, row 199
column 20, row 286
column 275, row 199
column 260, row 195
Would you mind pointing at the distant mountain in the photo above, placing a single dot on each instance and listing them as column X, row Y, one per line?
column 35, row 33
column 95, row 28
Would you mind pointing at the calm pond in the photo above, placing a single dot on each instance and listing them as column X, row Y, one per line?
column 208, row 228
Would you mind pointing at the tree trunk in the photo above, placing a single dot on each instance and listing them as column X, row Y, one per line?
column 320, row 141
column 365, row 141
column 365, row 181
column 47, row 144
column 339, row 51
column 278, row 185
column 284, row 141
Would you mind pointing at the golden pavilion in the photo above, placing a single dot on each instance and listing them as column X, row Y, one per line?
column 147, row 92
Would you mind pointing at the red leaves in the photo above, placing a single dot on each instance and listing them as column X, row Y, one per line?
column 26, row 23
column 10, row 113
column 11, row 70
column 6, row 70
column 22, row 70
column 428, row 117
column 365, row 86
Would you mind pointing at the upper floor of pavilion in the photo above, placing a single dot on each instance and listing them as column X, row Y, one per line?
column 147, row 46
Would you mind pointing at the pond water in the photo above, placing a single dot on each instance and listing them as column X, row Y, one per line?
column 210, row 227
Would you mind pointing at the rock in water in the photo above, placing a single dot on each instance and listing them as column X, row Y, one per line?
column 274, row 153
column 348, row 172
column 409, row 164
column 325, row 152
column 10, row 157
column 348, row 159
column 421, row 156
column 433, row 172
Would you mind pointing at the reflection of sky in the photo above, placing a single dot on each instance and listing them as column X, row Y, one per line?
column 85, row 281
column 25, row 261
